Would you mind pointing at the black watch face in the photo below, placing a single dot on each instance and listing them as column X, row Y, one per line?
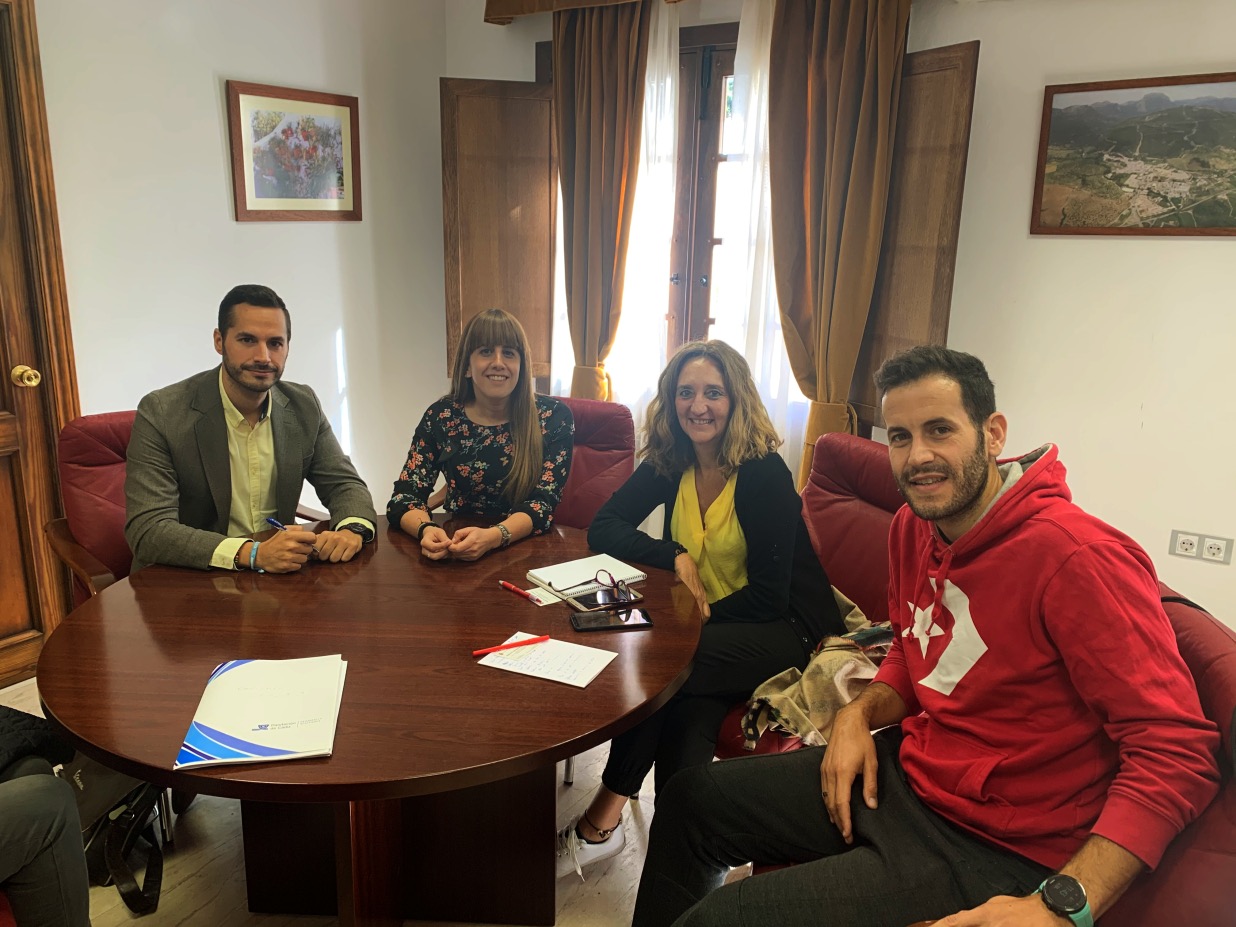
column 365, row 533
column 1064, row 894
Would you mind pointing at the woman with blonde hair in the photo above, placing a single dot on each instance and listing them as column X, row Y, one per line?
column 734, row 534
column 505, row 451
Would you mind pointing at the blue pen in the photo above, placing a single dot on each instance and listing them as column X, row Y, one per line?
column 276, row 523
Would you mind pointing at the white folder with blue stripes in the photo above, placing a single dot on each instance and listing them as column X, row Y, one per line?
column 258, row 711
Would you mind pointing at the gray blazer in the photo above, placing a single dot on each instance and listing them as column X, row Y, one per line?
column 178, row 482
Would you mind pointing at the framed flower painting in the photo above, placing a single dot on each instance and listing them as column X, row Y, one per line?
column 295, row 154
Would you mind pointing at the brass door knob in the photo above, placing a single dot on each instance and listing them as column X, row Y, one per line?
column 22, row 375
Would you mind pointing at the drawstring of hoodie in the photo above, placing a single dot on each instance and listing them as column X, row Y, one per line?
column 940, row 576
column 937, row 600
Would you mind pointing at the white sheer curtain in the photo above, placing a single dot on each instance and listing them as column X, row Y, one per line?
column 744, row 299
column 638, row 355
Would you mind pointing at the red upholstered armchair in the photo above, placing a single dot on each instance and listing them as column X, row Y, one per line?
column 848, row 503
column 90, row 537
column 603, row 458
column 1194, row 883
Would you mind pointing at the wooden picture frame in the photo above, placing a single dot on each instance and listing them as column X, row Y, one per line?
column 1150, row 156
column 295, row 154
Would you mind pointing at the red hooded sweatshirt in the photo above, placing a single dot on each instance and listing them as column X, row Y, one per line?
column 1047, row 700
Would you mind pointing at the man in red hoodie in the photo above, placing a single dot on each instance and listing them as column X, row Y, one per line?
column 1043, row 740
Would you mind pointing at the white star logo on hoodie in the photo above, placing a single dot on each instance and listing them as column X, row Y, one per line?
column 924, row 627
column 963, row 650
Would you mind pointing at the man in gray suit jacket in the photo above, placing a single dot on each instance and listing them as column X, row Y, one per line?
column 213, row 458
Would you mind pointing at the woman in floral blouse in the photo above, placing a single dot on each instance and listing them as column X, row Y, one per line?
column 505, row 451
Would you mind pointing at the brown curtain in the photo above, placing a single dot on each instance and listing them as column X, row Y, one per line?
column 600, row 59
column 834, row 87
column 503, row 12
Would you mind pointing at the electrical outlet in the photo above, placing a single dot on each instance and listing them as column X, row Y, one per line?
column 1185, row 544
column 1217, row 550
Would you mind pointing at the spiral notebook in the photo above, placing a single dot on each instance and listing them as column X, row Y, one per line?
column 578, row 577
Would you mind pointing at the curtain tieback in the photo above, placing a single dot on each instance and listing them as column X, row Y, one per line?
column 591, row 383
column 828, row 417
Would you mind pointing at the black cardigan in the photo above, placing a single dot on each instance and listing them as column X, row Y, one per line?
column 784, row 577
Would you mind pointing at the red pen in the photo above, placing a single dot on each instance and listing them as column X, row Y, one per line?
column 515, row 589
column 529, row 640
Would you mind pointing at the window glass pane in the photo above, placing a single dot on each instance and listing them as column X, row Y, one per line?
column 728, row 287
column 731, row 126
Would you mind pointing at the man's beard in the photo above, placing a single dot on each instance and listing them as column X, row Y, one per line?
column 968, row 485
column 237, row 374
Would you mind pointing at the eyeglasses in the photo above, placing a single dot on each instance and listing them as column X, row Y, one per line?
column 617, row 588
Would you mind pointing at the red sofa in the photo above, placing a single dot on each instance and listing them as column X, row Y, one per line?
column 849, row 502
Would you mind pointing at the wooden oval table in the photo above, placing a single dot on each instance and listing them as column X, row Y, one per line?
column 438, row 801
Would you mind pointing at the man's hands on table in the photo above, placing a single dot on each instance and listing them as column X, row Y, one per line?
column 338, row 546
column 283, row 552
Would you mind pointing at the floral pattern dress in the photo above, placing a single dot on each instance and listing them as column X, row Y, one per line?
column 475, row 460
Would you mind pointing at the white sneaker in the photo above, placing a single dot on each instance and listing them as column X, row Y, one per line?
column 574, row 853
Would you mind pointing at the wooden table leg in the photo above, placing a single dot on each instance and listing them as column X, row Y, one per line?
column 289, row 857
column 484, row 854
column 369, row 860
column 325, row 859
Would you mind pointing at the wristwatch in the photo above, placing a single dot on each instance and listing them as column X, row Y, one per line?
column 1065, row 896
column 357, row 528
column 506, row 534
column 420, row 529
column 679, row 549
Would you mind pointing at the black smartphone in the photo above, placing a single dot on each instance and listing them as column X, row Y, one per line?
column 625, row 619
column 602, row 598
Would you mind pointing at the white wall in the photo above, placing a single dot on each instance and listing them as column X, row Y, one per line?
column 1117, row 349
column 481, row 50
column 137, row 113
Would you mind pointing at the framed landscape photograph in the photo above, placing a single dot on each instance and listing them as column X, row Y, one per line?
column 1153, row 156
column 295, row 154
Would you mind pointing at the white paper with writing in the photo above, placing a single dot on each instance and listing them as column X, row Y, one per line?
column 560, row 661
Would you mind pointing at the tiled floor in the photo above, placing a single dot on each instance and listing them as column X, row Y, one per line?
column 204, row 879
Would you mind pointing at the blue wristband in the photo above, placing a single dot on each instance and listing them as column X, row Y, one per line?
column 253, row 557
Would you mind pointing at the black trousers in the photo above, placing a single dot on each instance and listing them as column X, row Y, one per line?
column 42, row 866
column 733, row 658
column 906, row 863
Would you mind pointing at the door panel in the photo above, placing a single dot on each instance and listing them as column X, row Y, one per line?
column 16, row 617
column 34, row 332
column 914, row 284
column 499, row 204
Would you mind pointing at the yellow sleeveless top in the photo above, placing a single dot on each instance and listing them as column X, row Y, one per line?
column 716, row 541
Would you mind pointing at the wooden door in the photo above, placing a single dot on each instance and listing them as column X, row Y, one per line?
column 914, row 283
column 499, row 208
column 34, row 332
